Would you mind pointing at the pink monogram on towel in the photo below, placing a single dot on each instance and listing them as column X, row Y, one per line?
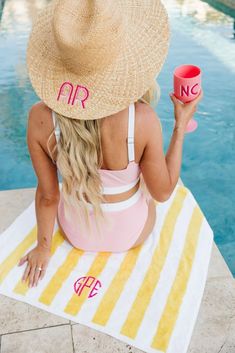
column 83, row 282
column 68, row 95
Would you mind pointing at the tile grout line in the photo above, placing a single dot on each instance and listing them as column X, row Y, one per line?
column 71, row 330
column 33, row 329
column 227, row 336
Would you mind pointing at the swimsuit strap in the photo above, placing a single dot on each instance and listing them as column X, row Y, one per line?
column 131, row 130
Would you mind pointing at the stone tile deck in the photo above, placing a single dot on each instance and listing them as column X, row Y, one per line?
column 26, row 329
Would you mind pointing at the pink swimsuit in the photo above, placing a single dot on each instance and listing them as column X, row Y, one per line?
column 128, row 216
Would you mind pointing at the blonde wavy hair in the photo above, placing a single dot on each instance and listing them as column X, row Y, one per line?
column 79, row 156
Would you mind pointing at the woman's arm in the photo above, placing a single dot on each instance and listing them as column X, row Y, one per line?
column 46, row 198
column 174, row 154
column 183, row 113
column 160, row 172
column 46, row 210
column 47, row 193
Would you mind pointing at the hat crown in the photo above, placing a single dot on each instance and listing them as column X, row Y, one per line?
column 86, row 31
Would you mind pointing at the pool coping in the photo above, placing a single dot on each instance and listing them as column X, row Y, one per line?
column 214, row 330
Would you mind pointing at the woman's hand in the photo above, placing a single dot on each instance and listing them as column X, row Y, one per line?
column 37, row 257
column 184, row 111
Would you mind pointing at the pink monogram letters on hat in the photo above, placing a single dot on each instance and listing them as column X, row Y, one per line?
column 66, row 93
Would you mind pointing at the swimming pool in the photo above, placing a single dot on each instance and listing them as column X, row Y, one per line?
column 199, row 35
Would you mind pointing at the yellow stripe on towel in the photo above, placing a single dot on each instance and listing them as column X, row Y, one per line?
column 22, row 287
column 114, row 291
column 142, row 300
column 60, row 276
column 14, row 257
column 76, row 302
column 172, row 307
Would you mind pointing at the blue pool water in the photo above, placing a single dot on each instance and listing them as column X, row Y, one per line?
column 200, row 35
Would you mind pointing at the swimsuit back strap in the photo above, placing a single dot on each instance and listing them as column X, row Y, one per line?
column 131, row 130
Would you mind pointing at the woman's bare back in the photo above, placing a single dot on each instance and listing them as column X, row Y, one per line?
column 114, row 132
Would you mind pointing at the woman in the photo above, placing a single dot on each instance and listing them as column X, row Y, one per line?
column 94, row 66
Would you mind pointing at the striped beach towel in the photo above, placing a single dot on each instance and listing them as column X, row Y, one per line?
column 148, row 297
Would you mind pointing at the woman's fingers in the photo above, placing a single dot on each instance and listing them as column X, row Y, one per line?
column 196, row 100
column 22, row 260
column 200, row 96
column 34, row 274
column 31, row 275
column 174, row 99
column 26, row 273
column 37, row 258
column 193, row 102
column 42, row 274
column 37, row 275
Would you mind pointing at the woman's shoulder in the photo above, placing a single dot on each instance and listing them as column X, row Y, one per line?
column 144, row 108
column 148, row 122
column 39, row 113
column 39, row 108
column 39, row 120
column 145, row 115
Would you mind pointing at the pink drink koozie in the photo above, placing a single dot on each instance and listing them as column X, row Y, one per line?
column 187, row 82
column 187, row 86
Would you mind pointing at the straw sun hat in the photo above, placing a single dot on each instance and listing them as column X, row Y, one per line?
column 88, row 59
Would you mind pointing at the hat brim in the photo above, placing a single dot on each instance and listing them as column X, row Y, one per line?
column 126, row 79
